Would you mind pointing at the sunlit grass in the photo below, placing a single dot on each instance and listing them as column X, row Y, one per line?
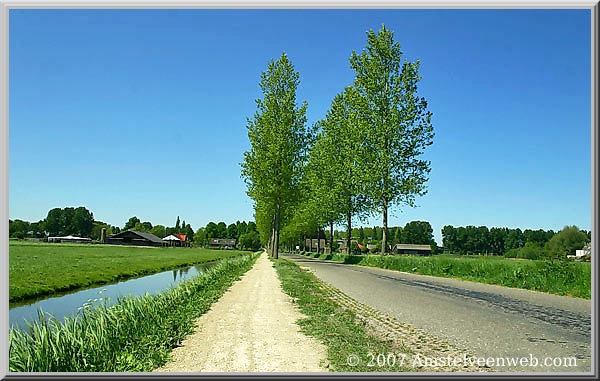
column 554, row 277
column 135, row 334
column 37, row 269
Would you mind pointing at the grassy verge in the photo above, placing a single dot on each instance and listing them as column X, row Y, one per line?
column 37, row 269
column 554, row 277
column 137, row 334
column 338, row 328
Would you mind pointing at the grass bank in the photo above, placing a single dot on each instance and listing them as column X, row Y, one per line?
column 338, row 328
column 135, row 335
column 554, row 277
column 38, row 269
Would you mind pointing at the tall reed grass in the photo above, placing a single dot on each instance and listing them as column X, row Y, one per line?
column 134, row 334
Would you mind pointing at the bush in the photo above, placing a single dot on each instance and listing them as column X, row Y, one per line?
column 565, row 242
column 18, row 235
column 531, row 250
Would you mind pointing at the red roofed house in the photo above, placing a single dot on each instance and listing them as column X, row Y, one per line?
column 184, row 241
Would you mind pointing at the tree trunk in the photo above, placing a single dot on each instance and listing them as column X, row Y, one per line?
column 349, row 229
column 303, row 242
column 318, row 240
column 331, row 237
column 270, row 243
column 384, row 238
column 276, row 244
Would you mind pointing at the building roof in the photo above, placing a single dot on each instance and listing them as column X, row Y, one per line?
column 182, row 237
column 171, row 238
column 410, row 246
column 71, row 237
column 144, row 235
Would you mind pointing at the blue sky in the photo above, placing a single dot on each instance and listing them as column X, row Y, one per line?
column 143, row 112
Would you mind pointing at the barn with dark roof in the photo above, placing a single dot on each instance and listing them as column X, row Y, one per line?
column 134, row 238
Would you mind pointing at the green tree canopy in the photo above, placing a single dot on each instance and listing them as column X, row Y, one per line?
column 130, row 224
column 272, row 168
column 566, row 241
column 399, row 125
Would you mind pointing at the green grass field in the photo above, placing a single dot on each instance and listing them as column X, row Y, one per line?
column 554, row 277
column 37, row 269
column 135, row 335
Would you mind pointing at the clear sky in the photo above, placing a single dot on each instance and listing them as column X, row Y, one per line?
column 143, row 112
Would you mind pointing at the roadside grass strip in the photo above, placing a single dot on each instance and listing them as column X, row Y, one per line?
column 554, row 277
column 132, row 335
column 358, row 337
column 39, row 269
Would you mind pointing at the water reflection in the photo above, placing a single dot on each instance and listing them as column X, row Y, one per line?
column 64, row 305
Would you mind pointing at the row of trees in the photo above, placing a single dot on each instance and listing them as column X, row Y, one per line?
column 76, row 221
column 80, row 221
column 244, row 232
column 414, row 232
column 509, row 242
column 60, row 222
column 363, row 158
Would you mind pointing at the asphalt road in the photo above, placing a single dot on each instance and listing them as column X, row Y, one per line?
column 490, row 321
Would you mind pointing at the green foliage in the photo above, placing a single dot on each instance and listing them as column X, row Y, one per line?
column 37, row 269
column 418, row 232
column 143, row 226
column 159, row 231
column 531, row 250
column 566, row 241
column 398, row 125
column 134, row 335
column 250, row 241
column 500, row 241
column 18, row 235
column 76, row 221
column 130, row 224
column 279, row 143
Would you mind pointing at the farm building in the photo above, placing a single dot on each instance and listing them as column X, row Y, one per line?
column 314, row 243
column 184, row 239
column 69, row 239
column 222, row 243
column 343, row 248
column 176, row 240
column 134, row 238
column 411, row 249
column 586, row 251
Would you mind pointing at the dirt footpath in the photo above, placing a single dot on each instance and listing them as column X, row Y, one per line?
column 250, row 329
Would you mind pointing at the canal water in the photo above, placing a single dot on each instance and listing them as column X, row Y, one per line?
column 69, row 304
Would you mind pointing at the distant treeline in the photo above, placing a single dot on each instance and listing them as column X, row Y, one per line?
column 245, row 232
column 531, row 244
column 80, row 222
column 416, row 232
column 59, row 222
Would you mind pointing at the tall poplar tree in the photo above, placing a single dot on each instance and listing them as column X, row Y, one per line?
column 398, row 124
column 336, row 159
column 279, row 141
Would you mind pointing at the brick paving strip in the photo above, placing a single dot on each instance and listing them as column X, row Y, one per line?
column 403, row 337
column 252, row 328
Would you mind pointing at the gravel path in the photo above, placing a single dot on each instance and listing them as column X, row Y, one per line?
column 250, row 329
